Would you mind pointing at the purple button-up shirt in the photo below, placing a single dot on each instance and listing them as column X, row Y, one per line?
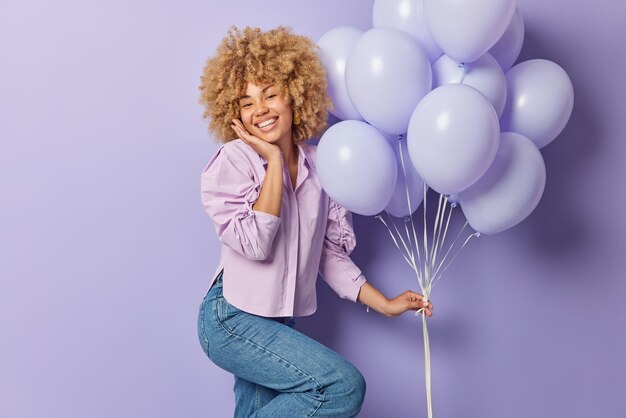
column 270, row 263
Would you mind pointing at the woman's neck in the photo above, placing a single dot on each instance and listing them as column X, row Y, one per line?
column 289, row 150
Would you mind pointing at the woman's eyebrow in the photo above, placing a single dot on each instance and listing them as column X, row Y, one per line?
column 262, row 91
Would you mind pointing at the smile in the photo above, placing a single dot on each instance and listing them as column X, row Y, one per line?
column 266, row 123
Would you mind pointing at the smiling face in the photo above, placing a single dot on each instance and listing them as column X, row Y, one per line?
column 265, row 114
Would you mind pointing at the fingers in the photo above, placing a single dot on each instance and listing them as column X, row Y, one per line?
column 237, row 123
column 240, row 130
column 240, row 126
column 410, row 301
column 418, row 300
column 237, row 128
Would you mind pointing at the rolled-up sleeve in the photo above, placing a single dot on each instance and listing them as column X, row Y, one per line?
column 336, row 267
column 228, row 192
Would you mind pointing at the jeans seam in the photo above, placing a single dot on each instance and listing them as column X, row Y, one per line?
column 205, row 340
column 257, row 400
column 318, row 385
column 323, row 392
column 318, row 406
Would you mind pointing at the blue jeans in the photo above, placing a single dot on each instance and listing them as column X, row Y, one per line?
column 279, row 372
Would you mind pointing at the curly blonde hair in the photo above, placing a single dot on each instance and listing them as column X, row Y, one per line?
column 273, row 57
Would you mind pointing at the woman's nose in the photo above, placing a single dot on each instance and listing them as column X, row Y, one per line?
column 261, row 109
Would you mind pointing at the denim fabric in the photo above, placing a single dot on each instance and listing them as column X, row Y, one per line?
column 279, row 372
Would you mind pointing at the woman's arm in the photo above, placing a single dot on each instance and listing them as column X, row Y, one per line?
column 406, row 301
column 270, row 196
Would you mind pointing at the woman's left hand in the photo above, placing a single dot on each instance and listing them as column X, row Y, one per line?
column 408, row 301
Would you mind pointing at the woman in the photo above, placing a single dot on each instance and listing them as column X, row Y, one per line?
column 265, row 93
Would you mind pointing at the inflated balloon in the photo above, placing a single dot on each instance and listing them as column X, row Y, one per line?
column 484, row 74
column 387, row 74
column 407, row 16
column 466, row 29
column 511, row 188
column 453, row 137
column 398, row 206
column 356, row 167
column 539, row 102
column 335, row 46
column 508, row 47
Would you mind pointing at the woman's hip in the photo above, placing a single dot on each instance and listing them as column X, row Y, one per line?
column 266, row 351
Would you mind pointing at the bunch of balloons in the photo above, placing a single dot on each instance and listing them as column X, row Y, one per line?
column 435, row 79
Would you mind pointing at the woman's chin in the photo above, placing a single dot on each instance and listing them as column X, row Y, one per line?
column 267, row 138
column 270, row 137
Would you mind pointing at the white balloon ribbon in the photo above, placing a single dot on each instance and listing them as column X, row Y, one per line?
column 427, row 266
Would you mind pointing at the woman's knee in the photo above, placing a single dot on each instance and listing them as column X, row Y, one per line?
column 348, row 389
column 357, row 382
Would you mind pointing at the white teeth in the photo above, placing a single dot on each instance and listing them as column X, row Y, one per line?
column 266, row 123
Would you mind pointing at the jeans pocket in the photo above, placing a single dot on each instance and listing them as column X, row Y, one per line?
column 226, row 313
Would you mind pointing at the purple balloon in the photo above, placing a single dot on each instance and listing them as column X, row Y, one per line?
column 510, row 190
column 398, row 206
column 466, row 29
column 508, row 47
column 453, row 137
column 357, row 167
column 335, row 46
column 387, row 74
column 540, row 99
column 484, row 74
column 407, row 16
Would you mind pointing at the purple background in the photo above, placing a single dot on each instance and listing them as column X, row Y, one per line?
column 106, row 252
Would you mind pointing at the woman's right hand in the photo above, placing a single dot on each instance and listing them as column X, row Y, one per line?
column 270, row 197
column 408, row 301
column 264, row 149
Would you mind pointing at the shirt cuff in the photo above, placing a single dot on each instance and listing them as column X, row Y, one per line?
column 266, row 217
column 357, row 283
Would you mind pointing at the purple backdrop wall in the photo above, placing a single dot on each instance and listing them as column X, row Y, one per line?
column 106, row 252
